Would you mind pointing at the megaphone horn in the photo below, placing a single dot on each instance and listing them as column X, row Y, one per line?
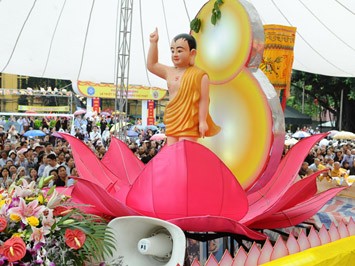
column 146, row 241
column 160, row 245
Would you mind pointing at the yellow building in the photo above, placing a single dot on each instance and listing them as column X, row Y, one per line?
column 16, row 97
column 9, row 102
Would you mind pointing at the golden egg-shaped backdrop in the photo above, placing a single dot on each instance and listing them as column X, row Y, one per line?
column 224, row 48
column 242, row 110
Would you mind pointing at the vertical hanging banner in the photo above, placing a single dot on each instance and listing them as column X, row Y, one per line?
column 96, row 105
column 278, row 58
column 150, row 118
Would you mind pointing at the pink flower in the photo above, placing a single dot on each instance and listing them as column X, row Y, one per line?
column 61, row 210
column 48, row 222
column 14, row 249
column 37, row 235
column 74, row 238
column 26, row 210
column 3, row 224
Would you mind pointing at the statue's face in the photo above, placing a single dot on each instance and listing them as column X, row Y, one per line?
column 181, row 55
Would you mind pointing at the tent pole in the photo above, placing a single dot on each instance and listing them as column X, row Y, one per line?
column 122, row 74
column 303, row 98
column 341, row 109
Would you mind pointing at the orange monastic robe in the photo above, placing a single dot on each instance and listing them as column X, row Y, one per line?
column 181, row 114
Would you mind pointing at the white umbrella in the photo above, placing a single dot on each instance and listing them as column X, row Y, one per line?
column 324, row 142
column 289, row 142
column 300, row 134
column 332, row 133
column 344, row 135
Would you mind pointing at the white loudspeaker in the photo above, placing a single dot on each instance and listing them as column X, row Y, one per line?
column 144, row 241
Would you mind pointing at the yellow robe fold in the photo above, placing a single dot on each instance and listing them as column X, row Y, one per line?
column 181, row 114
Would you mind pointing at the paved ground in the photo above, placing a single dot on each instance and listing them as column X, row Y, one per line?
column 340, row 208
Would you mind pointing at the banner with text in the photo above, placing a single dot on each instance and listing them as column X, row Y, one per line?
column 104, row 90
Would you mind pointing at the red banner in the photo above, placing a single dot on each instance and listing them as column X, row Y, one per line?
column 96, row 105
column 150, row 118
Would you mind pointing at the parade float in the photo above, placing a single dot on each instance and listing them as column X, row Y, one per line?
column 235, row 183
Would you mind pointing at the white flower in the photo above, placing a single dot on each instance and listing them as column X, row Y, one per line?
column 25, row 190
column 54, row 200
column 37, row 235
column 48, row 222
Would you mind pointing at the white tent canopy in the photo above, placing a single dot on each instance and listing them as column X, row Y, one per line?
column 77, row 40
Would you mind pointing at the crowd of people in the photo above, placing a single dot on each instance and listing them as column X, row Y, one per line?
column 336, row 156
column 35, row 157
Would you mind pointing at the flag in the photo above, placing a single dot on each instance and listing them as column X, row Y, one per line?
column 278, row 58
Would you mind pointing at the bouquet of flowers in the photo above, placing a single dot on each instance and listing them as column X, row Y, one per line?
column 42, row 227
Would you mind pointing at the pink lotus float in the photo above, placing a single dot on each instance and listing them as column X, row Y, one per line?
column 189, row 186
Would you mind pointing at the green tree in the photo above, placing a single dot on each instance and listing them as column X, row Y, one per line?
column 323, row 93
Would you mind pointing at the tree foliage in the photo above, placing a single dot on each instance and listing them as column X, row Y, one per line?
column 322, row 94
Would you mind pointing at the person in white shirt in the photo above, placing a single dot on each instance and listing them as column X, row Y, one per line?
column 95, row 135
column 106, row 135
column 52, row 164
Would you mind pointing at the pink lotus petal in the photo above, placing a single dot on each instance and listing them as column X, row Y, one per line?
column 313, row 238
column 324, row 235
column 122, row 162
column 333, row 233
column 253, row 256
column 292, row 245
column 271, row 166
column 300, row 191
column 265, row 253
column 280, row 249
column 215, row 224
column 186, row 179
column 211, row 261
column 89, row 193
column 283, row 178
column 303, row 241
column 351, row 226
column 343, row 230
column 88, row 165
column 226, row 259
column 297, row 193
column 297, row 214
column 240, row 257
column 64, row 190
